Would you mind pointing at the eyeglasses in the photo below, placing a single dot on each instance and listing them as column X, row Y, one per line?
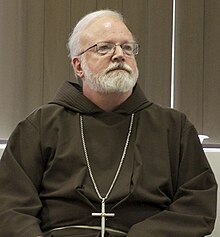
column 103, row 48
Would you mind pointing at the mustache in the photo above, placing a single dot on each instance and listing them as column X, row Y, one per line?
column 118, row 66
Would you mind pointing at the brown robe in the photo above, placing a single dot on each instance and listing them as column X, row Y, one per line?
column 166, row 187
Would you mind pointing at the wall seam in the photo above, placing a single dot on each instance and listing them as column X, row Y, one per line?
column 43, row 61
column 203, row 72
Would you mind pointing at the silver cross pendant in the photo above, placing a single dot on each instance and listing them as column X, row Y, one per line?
column 103, row 215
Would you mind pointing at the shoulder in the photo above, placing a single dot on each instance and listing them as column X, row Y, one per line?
column 46, row 114
column 166, row 116
column 164, row 112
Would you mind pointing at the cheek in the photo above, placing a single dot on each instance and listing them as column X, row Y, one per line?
column 97, row 66
column 133, row 64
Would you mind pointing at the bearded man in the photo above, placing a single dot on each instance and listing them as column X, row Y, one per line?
column 100, row 159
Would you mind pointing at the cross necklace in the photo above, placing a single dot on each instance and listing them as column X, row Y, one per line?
column 103, row 214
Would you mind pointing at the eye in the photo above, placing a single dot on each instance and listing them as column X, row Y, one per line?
column 128, row 48
column 104, row 48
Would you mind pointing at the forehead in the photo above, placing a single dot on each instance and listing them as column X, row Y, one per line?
column 106, row 28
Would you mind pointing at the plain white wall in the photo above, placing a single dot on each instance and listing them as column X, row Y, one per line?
column 1, row 151
column 214, row 160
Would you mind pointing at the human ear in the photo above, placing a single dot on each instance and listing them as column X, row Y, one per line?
column 76, row 64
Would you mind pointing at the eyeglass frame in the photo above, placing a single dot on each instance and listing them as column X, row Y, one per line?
column 114, row 48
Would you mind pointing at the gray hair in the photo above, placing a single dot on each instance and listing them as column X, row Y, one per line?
column 74, row 39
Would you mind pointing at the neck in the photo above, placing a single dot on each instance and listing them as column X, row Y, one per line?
column 106, row 101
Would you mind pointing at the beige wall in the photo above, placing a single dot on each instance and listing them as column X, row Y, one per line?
column 214, row 160
column 197, row 64
column 33, row 54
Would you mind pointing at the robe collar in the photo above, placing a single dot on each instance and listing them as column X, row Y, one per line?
column 70, row 96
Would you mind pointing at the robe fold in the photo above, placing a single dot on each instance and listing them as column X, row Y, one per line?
column 165, row 188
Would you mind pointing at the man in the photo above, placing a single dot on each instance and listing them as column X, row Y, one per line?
column 101, row 160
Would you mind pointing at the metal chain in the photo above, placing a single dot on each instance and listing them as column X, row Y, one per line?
column 120, row 164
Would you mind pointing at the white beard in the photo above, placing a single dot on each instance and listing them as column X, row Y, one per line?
column 110, row 80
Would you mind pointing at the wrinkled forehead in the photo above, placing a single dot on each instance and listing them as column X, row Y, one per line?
column 105, row 28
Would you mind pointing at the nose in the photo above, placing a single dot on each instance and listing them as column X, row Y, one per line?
column 118, row 55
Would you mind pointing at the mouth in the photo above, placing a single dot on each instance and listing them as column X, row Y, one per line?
column 118, row 69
